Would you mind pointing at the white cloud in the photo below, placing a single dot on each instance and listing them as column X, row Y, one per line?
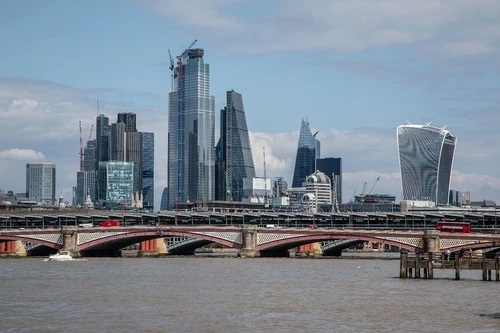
column 446, row 27
column 22, row 155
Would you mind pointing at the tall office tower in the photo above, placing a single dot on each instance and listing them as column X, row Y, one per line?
column 234, row 154
column 147, row 169
column 191, row 131
column 102, row 139
column 332, row 167
column 117, row 142
column 425, row 159
column 308, row 151
column 41, row 182
column 116, row 183
column 89, row 156
column 129, row 119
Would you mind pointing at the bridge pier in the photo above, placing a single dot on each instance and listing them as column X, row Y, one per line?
column 249, row 242
column 153, row 248
column 12, row 249
column 70, row 240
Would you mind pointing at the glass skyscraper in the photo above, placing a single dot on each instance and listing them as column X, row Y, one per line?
column 116, row 181
column 425, row 159
column 191, row 131
column 308, row 151
column 41, row 182
column 234, row 154
column 147, row 169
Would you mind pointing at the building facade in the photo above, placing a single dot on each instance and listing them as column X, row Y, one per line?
column 116, row 181
column 426, row 159
column 308, row 151
column 318, row 192
column 332, row 167
column 234, row 160
column 191, row 131
column 41, row 183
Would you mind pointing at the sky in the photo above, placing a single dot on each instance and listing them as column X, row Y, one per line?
column 354, row 69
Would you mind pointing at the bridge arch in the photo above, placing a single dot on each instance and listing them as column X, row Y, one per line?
column 285, row 244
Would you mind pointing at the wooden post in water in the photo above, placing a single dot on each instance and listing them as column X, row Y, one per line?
column 457, row 266
column 403, row 261
column 430, row 271
column 497, row 268
column 417, row 265
column 483, row 264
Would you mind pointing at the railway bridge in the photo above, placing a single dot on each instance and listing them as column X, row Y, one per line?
column 248, row 240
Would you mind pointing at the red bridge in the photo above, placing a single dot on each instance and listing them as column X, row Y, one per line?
column 250, row 241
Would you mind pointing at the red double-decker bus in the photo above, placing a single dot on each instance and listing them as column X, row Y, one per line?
column 462, row 227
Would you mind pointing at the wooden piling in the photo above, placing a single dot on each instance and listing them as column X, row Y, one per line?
column 403, row 261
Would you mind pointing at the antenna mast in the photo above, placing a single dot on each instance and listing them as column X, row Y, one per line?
column 81, row 146
column 265, row 176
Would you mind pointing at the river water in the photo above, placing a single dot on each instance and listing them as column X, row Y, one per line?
column 198, row 294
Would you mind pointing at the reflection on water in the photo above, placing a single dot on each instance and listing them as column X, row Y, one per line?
column 193, row 294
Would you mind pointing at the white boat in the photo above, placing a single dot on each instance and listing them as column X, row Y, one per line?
column 61, row 256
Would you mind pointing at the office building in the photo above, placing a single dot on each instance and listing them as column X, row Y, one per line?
column 425, row 159
column 318, row 192
column 332, row 167
column 41, row 183
column 234, row 160
column 116, row 183
column 191, row 131
column 147, row 169
column 308, row 151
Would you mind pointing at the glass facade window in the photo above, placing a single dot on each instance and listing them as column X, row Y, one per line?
column 425, row 158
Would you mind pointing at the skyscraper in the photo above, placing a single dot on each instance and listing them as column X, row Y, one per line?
column 332, row 167
column 147, row 169
column 233, row 151
column 41, row 182
column 308, row 151
column 425, row 159
column 191, row 131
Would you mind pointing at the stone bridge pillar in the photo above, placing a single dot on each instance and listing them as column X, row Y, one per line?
column 431, row 242
column 249, row 242
column 70, row 240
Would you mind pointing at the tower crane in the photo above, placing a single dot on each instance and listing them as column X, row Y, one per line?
column 171, row 60
column 373, row 186
column 179, row 58
column 90, row 134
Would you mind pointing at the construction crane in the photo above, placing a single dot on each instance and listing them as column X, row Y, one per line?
column 171, row 60
column 179, row 58
column 81, row 146
column 90, row 134
column 364, row 190
column 373, row 186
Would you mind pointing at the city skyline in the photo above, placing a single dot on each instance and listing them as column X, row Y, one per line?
column 354, row 79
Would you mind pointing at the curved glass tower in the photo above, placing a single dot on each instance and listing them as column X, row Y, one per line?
column 425, row 160
column 308, row 151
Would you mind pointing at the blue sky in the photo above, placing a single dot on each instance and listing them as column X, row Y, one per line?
column 355, row 69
